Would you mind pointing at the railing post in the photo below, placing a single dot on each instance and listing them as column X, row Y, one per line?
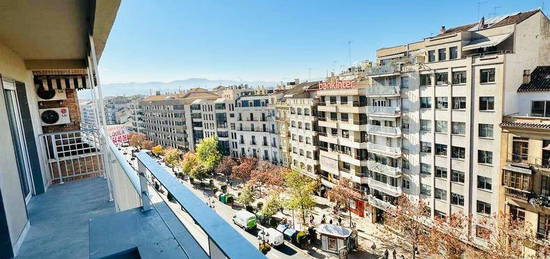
column 144, row 192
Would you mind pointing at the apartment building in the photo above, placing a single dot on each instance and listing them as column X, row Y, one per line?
column 454, row 89
column 342, row 132
column 525, row 155
column 256, row 128
column 212, row 118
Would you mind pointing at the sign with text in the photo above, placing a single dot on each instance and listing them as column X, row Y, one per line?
column 337, row 84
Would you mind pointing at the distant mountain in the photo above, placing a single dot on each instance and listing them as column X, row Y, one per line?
column 147, row 88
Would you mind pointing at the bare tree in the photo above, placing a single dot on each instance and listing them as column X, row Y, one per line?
column 343, row 194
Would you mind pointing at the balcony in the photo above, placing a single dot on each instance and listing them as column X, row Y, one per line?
column 384, row 150
column 385, row 188
column 382, row 70
column 384, row 131
column 384, row 169
column 382, row 90
column 383, row 111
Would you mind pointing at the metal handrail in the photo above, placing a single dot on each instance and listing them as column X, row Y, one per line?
column 128, row 170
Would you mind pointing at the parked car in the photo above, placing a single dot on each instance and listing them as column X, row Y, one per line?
column 245, row 219
column 271, row 236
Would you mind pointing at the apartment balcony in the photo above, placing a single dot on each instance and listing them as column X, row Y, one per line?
column 382, row 70
column 384, row 169
column 106, row 208
column 327, row 108
column 384, row 111
column 378, row 203
column 394, row 152
column 385, row 188
column 384, row 131
column 382, row 90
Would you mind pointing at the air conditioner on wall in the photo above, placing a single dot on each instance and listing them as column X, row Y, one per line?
column 50, row 95
column 55, row 116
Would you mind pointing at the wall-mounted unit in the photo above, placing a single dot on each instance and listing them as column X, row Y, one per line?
column 51, row 94
column 55, row 116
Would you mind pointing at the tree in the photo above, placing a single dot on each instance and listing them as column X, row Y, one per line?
column 189, row 162
column 300, row 191
column 244, row 169
column 136, row 140
column 272, row 205
column 198, row 172
column 343, row 194
column 208, row 154
column 158, row 150
column 407, row 222
column 172, row 156
column 225, row 167
column 247, row 195
column 267, row 175
column 448, row 236
column 147, row 144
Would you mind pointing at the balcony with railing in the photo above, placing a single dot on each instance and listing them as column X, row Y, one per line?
column 394, row 191
column 383, row 169
column 383, row 130
column 382, row 70
column 384, row 150
column 378, row 89
column 384, row 111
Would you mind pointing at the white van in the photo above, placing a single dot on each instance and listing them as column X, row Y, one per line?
column 271, row 236
column 245, row 219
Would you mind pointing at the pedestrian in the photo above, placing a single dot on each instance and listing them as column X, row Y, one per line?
column 394, row 254
column 386, row 254
column 330, row 221
column 339, row 221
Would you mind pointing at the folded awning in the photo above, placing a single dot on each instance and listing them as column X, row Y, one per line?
column 486, row 42
column 64, row 82
column 517, row 169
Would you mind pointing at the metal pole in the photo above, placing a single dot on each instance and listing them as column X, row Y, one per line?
column 144, row 195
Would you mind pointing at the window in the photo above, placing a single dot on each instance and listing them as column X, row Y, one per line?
column 441, row 78
column 345, row 133
column 440, row 172
column 545, row 185
column 405, row 82
column 458, row 128
column 406, row 184
column 425, row 125
column 440, row 214
column 431, row 56
column 425, row 147
column 344, row 117
column 441, row 103
column 459, row 77
column 517, row 213
column 457, row 199
column 343, row 99
column 440, row 194
column 457, row 176
column 405, row 164
column 485, row 130
column 425, row 102
column 333, row 100
column 543, row 229
column 483, row 207
column 425, row 189
column 484, row 182
column 484, row 157
column 425, row 169
column 440, row 149
column 442, row 54
column 486, row 103
column 453, row 53
column 459, row 103
column 425, row 79
column 487, row 75
column 458, row 152
column 441, row 126
column 540, row 108
column 333, row 116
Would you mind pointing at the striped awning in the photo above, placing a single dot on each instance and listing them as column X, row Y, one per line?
column 64, row 82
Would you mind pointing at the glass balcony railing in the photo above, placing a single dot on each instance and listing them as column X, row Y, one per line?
column 376, row 129
column 384, row 169
column 384, row 150
column 378, row 89
column 383, row 110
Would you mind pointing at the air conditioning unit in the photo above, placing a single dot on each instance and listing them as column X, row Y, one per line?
column 55, row 116
column 50, row 95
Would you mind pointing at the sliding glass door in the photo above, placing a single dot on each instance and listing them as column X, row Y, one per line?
column 18, row 137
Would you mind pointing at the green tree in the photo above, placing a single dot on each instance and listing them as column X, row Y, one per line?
column 300, row 191
column 208, row 154
column 198, row 172
column 189, row 162
column 247, row 195
column 272, row 205
column 172, row 156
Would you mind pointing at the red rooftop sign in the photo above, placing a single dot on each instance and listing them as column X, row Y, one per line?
column 345, row 84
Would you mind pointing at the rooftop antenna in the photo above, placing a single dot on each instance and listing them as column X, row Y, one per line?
column 494, row 13
column 479, row 3
column 349, row 52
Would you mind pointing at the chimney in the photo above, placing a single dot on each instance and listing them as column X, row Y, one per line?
column 442, row 30
column 526, row 76
column 482, row 23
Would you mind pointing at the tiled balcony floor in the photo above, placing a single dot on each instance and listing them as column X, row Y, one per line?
column 59, row 219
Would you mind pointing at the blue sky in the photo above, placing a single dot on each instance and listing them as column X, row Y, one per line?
column 166, row 40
